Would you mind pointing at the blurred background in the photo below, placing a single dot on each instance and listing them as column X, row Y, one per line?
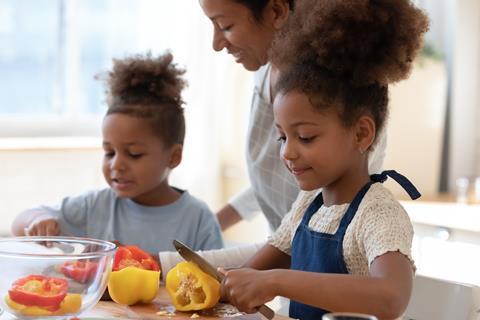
column 51, row 110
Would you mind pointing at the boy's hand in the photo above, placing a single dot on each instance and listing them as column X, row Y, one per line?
column 247, row 289
column 43, row 226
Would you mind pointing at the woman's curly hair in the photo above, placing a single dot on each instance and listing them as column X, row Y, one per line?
column 257, row 7
column 149, row 88
column 344, row 53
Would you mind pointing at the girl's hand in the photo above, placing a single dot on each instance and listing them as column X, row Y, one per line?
column 43, row 226
column 247, row 289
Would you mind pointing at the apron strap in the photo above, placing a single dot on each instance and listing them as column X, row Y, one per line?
column 400, row 179
column 351, row 210
column 312, row 208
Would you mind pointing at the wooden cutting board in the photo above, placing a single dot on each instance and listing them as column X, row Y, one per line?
column 162, row 308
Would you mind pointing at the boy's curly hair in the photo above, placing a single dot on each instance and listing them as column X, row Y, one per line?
column 344, row 53
column 149, row 88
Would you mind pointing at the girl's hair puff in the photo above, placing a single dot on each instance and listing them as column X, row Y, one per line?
column 344, row 53
column 149, row 88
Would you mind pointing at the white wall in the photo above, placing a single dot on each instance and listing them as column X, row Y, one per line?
column 415, row 127
column 465, row 143
column 39, row 175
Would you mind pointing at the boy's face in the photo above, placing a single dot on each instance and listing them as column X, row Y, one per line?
column 315, row 145
column 136, row 163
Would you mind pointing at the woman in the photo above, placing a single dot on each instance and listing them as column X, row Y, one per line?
column 245, row 29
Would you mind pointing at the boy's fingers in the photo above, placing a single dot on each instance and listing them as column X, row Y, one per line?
column 222, row 270
column 118, row 243
column 51, row 229
column 26, row 231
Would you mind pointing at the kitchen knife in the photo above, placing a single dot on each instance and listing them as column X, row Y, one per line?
column 190, row 255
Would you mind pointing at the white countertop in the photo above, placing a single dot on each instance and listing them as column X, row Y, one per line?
column 445, row 214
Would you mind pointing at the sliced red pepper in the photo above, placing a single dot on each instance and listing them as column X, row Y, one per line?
column 133, row 256
column 80, row 271
column 40, row 291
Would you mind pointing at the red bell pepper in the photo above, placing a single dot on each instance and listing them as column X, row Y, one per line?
column 133, row 256
column 80, row 271
column 40, row 291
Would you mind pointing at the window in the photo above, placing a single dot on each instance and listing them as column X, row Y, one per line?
column 50, row 51
column 28, row 56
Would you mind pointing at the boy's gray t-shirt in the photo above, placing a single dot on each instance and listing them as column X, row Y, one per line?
column 101, row 214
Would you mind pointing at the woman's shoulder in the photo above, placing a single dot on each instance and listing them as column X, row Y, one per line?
column 262, row 81
column 261, row 74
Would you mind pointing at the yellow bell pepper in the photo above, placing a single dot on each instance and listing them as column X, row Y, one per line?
column 71, row 304
column 132, row 285
column 190, row 288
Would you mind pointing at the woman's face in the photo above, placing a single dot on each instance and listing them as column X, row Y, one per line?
column 236, row 30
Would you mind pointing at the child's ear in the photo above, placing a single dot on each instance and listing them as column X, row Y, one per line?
column 280, row 11
column 365, row 132
column 175, row 156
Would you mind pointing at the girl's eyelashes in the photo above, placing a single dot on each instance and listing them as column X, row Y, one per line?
column 306, row 139
column 301, row 139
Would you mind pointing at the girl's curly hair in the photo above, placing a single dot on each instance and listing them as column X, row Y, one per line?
column 344, row 53
column 149, row 88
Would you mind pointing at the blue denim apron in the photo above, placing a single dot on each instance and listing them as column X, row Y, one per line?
column 321, row 252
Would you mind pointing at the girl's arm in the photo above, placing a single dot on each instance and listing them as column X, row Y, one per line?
column 385, row 293
column 268, row 257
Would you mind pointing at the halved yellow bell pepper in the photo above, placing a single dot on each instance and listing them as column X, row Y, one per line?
column 133, row 285
column 190, row 288
column 71, row 304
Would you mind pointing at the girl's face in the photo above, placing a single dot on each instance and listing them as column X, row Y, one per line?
column 315, row 145
column 136, row 163
column 236, row 30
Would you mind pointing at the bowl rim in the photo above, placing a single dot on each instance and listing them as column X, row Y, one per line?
column 110, row 247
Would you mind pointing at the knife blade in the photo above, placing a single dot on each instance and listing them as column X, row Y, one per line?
column 190, row 255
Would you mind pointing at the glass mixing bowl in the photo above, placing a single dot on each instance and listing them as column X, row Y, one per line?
column 53, row 277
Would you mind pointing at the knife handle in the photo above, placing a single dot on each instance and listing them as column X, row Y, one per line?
column 266, row 312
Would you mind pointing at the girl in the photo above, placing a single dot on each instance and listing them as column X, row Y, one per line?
column 349, row 247
column 143, row 133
